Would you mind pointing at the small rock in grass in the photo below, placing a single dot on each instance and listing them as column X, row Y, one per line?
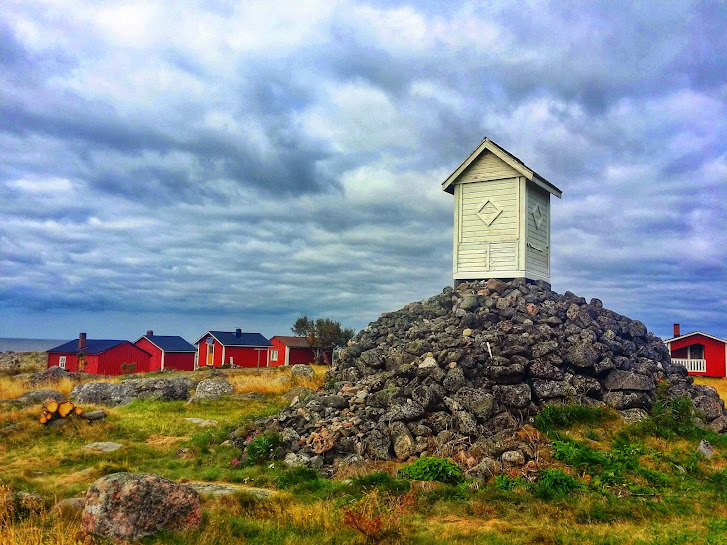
column 103, row 446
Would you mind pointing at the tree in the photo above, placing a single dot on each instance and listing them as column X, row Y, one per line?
column 322, row 334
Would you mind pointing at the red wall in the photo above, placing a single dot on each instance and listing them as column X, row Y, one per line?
column 242, row 356
column 155, row 362
column 302, row 355
column 280, row 347
column 714, row 353
column 108, row 362
column 181, row 361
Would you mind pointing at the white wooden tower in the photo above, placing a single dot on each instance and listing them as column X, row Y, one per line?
column 501, row 217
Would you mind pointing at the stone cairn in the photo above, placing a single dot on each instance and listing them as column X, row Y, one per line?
column 460, row 375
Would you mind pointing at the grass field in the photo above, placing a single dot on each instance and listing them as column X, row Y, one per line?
column 604, row 482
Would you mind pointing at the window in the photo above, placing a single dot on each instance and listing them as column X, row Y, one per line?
column 273, row 355
column 231, row 362
column 62, row 362
column 696, row 352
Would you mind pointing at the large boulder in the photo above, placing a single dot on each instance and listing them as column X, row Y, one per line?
column 212, row 389
column 36, row 397
column 127, row 506
column 106, row 393
column 302, row 371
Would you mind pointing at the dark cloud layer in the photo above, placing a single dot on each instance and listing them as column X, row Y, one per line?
column 214, row 163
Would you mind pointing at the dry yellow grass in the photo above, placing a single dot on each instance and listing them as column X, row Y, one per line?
column 37, row 528
column 718, row 384
column 274, row 382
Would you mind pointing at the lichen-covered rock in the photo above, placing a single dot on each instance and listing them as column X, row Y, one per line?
column 459, row 373
column 106, row 393
column 302, row 371
column 127, row 506
column 212, row 389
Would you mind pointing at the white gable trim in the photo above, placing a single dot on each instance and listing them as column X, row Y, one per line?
column 506, row 157
column 669, row 341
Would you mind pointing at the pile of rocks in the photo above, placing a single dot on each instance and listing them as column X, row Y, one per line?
column 459, row 373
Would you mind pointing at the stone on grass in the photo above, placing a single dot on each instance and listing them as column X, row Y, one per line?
column 128, row 506
column 212, row 389
column 102, row 446
column 203, row 423
column 302, row 371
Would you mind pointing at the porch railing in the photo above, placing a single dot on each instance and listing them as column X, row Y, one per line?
column 693, row 366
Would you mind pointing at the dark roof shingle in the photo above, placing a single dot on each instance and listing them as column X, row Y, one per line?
column 170, row 343
column 229, row 338
column 93, row 346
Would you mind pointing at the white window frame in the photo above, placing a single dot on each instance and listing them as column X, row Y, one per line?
column 62, row 362
column 273, row 355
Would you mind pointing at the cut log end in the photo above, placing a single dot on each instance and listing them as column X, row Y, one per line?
column 77, row 411
column 51, row 406
column 65, row 408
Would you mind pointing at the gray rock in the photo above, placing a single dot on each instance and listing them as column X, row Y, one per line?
column 102, row 446
column 476, row 401
column 214, row 489
column 515, row 395
column 547, row 389
column 37, row 397
column 378, row 444
column 302, row 371
column 621, row 400
column 212, row 389
column 454, row 379
column 513, row 458
column 487, row 468
column 94, row 416
column 627, row 380
column 402, row 440
column 705, row 449
column 203, row 423
column 407, row 412
column 335, row 401
column 125, row 506
column 632, row 416
column 301, row 392
column 69, row 507
column 582, row 355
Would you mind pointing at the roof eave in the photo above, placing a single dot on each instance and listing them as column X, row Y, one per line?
column 505, row 156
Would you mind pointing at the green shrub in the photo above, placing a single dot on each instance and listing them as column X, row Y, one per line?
column 555, row 417
column 382, row 481
column 554, row 483
column 432, row 469
column 506, row 483
column 260, row 448
column 296, row 476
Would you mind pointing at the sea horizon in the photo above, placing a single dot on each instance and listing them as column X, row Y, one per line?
column 28, row 345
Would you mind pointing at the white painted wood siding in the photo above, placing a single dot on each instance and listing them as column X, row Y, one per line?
column 483, row 247
column 487, row 166
column 537, row 251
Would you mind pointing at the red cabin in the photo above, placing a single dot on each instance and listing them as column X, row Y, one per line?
column 167, row 352
column 235, row 348
column 702, row 354
column 294, row 350
column 100, row 356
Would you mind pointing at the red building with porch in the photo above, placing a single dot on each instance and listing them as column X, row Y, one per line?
column 100, row 356
column 236, row 348
column 702, row 354
column 294, row 350
column 168, row 352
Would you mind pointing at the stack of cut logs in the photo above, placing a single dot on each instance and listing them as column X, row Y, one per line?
column 54, row 410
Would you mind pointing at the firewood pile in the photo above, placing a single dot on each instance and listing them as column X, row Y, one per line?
column 54, row 410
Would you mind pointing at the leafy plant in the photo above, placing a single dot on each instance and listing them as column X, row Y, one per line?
column 296, row 476
column 382, row 481
column 507, row 483
column 554, row 483
column 260, row 447
column 555, row 417
column 431, row 468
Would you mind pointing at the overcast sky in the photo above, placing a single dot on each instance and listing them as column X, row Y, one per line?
column 186, row 166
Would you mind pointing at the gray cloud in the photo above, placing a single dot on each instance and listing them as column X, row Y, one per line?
column 223, row 163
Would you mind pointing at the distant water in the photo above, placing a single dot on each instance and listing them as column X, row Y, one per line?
column 29, row 345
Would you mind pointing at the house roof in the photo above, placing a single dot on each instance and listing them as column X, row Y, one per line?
column 168, row 343
column 93, row 346
column 229, row 338
column 507, row 157
column 293, row 342
column 680, row 337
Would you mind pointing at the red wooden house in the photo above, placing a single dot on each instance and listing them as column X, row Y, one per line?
column 293, row 350
column 236, row 348
column 700, row 353
column 167, row 352
column 100, row 356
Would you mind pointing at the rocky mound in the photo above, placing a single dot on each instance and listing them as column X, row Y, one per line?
column 458, row 373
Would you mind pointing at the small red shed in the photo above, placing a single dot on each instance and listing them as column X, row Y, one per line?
column 294, row 350
column 702, row 354
column 236, row 348
column 100, row 356
column 167, row 352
